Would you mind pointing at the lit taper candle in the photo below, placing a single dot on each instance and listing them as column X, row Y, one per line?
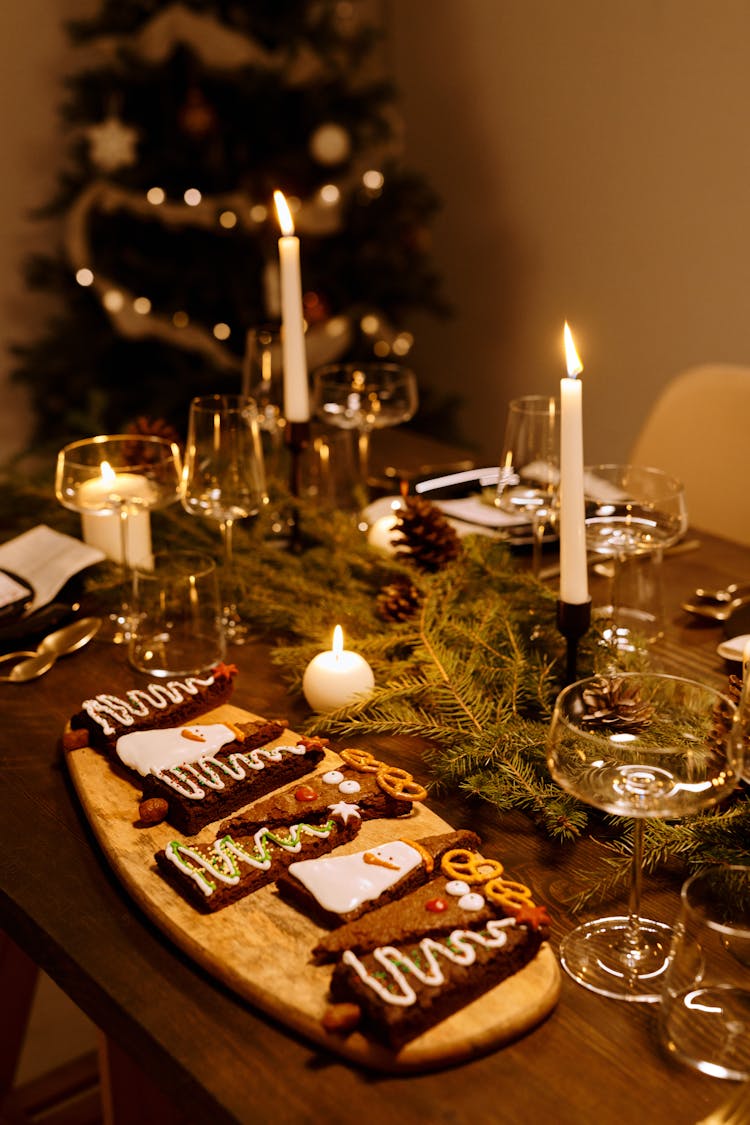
column 296, row 392
column 574, row 585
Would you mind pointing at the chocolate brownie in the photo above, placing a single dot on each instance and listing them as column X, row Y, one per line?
column 401, row 992
column 167, row 704
column 313, row 800
column 201, row 790
column 212, row 876
column 341, row 888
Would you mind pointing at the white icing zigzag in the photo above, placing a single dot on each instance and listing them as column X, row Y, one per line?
column 140, row 701
column 224, row 857
column 459, row 948
column 206, row 771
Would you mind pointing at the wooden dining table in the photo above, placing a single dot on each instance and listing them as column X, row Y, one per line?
column 211, row 1056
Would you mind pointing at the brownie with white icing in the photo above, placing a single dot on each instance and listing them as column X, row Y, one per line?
column 313, row 800
column 211, row 876
column 338, row 889
column 166, row 704
column 403, row 989
column 250, row 762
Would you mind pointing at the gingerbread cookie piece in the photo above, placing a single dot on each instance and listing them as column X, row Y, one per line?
column 168, row 704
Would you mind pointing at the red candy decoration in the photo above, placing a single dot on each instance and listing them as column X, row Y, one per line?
column 436, row 905
column 305, row 793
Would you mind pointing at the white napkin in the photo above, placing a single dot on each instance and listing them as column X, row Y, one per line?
column 46, row 559
column 472, row 509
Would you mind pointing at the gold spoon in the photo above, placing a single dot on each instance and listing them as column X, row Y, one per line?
column 69, row 639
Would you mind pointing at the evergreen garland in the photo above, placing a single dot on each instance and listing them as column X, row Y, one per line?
column 474, row 672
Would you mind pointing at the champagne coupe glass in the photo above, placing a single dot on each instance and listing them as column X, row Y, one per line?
column 125, row 476
column 364, row 397
column 529, row 465
column 639, row 744
column 224, row 479
column 631, row 511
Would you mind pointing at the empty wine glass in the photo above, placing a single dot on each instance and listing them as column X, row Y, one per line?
column 639, row 744
column 530, row 465
column 125, row 476
column 364, row 397
column 224, row 480
column 631, row 512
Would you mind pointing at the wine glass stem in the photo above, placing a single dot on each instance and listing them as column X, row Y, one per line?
column 363, row 454
column 538, row 524
column 124, row 561
column 227, row 538
column 636, row 883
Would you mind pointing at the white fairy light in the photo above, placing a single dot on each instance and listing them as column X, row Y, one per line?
column 142, row 306
column 113, row 300
column 180, row 319
column 85, row 277
column 369, row 324
column 228, row 219
column 373, row 180
column 403, row 343
column 258, row 213
column 330, row 194
column 222, row 331
column 192, row 197
column 156, row 195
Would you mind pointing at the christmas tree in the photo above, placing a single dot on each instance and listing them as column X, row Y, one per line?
column 185, row 118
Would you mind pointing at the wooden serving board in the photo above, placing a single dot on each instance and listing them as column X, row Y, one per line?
column 260, row 946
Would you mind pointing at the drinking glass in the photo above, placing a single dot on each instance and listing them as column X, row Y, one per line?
column 705, row 1009
column 223, row 479
column 364, row 397
column 632, row 514
column 639, row 744
column 125, row 476
column 530, row 465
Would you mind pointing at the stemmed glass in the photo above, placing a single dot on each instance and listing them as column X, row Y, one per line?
column 224, row 480
column 639, row 744
column 530, row 465
column 121, row 475
column 364, row 397
column 631, row 511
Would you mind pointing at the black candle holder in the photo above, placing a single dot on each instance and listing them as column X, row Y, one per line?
column 297, row 437
column 573, row 621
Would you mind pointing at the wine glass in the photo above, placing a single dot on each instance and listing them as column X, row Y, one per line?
column 124, row 476
column 632, row 512
column 364, row 397
column 639, row 744
column 224, row 479
column 529, row 465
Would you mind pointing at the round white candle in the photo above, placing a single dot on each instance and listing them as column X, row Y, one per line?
column 101, row 498
column 336, row 678
column 574, row 584
column 380, row 534
column 296, row 390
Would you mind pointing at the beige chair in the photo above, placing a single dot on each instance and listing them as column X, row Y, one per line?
column 699, row 430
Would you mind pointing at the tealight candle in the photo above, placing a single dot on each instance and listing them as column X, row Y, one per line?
column 380, row 532
column 100, row 524
column 336, row 678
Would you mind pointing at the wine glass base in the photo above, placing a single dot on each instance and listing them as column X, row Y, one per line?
column 602, row 956
column 115, row 629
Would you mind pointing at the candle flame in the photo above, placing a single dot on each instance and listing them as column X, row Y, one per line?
column 338, row 641
column 108, row 473
column 574, row 365
column 284, row 214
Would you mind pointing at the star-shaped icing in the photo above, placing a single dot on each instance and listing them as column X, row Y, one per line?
column 112, row 144
column 532, row 916
column 345, row 810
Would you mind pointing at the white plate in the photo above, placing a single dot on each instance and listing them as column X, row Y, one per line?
column 734, row 648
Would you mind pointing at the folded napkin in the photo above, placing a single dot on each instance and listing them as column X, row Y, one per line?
column 46, row 559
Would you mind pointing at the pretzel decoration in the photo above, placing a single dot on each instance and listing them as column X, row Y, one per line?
column 470, row 867
column 361, row 760
column 513, row 897
column 392, row 780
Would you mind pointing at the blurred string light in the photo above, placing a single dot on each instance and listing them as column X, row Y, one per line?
column 384, row 339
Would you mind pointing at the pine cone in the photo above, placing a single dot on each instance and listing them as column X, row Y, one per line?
column 612, row 703
column 399, row 600
column 424, row 535
column 142, row 452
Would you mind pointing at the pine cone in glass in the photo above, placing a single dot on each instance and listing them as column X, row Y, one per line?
column 398, row 601
column 616, row 704
column 423, row 535
column 142, row 452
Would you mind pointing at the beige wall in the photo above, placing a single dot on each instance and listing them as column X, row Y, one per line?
column 593, row 157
